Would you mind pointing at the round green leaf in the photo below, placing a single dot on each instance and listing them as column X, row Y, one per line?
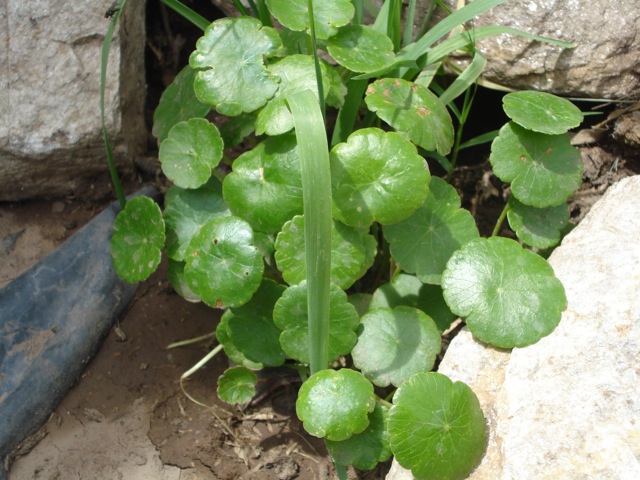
column 364, row 450
column 377, row 176
column 352, row 252
column 186, row 211
column 265, row 187
column 178, row 103
column 230, row 349
column 413, row 111
column 231, row 53
column 328, row 14
column 251, row 327
column 508, row 296
column 538, row 227
column 544, row 170
column 396, row 344
column 437, row 428
column 424, row 242
column 138, row 238
column 542, row 112
column 175, row 272
column 335, row 404
column 337, row 88
column 290, row 316
column 296, row 73
column 361, row 48
column 192, row 149
column 237, row 385
column 223, row 267
column 408, row 290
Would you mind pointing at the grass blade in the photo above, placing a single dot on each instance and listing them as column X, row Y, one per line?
column 465, row 79
column 194, row 17
column 316, row 186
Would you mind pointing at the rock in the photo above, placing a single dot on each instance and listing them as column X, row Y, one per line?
column 604, row 63
column 568, row 406
column 50, row 133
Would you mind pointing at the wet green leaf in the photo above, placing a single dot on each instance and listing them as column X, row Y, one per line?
column 395, row 344
column 175, row 272
column 335, row 404
column 223, row 266
column 231, row 53
column 237, row 385
column 424, row 242
column 265, row 187
column 178, row 103
column 138, row 238
column 365, row 450
column 544, row 170
column 538, row 227
column 352, row 252
column 508, row 296
column 290, row 316
column 192, row 149
column 251, row 327
column 409, row 291
column 413, row 111
column 377, row 176
column 328, row 14
column 437, row 428
column 361, row 48
column 187, row 210
column 542, row 112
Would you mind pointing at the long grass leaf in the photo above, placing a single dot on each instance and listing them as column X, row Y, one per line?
column 187, row 13
column 316, row 187
column 465, row 79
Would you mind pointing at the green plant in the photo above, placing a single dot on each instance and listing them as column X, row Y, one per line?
column 317, row 254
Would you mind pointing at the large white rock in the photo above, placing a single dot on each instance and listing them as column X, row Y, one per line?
column 604, row 64
column 50, row 134
column 568, row 407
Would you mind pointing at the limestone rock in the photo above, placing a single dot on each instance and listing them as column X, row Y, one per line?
column 568, row 407
column 604, row 64
column 50, row 134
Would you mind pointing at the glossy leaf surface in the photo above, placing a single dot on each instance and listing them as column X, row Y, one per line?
column 187, row 210
column 352, row 252
column 237, row 385
column 544, row 170
column 175, row 272
column 365, row 450
column 138, row 237
column 361, row 48
column 413, row 111
column 230, row 349
column 328, row 14
column 223, row 266
column 251, row 326
column 436, row 427
column 377, row 176
column 508, row 296
column 424, row 242
column 231, row 53
column 409, row 291
column 395, row 344
column 290, row 316
column 335, row 404
column 538, row 227
column 192, row 149
column 265, row 187
column 542, row 112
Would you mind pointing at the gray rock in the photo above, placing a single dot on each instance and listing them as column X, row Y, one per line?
column 604, row 64
column 568, row 407
column 50, row 134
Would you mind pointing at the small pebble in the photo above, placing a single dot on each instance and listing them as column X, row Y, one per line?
column 58, row 207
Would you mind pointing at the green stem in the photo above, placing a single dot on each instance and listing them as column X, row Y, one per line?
column 106, row 46
column 194, row 17
column 190, row 341
column 316, row 59
column 501, row 218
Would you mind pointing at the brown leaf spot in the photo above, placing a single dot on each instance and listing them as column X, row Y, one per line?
column 219, row 304
column 548, row 150
column 423, row 111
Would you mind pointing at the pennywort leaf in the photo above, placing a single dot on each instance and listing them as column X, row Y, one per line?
column 328, row 14
column 542, row 112
column 237, row 385
column 360, row 48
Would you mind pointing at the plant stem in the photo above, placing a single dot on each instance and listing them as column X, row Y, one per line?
column 316, row 59
column 194, row 17
column 190, row 341
column 501, row 218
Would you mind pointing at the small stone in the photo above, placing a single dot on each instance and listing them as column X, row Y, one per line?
column 57, row 207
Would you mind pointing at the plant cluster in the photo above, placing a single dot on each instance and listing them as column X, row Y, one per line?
column 346, row 259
